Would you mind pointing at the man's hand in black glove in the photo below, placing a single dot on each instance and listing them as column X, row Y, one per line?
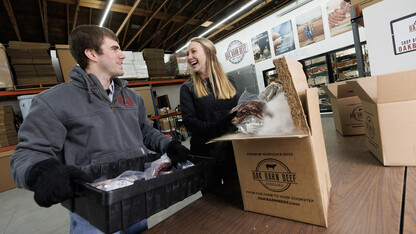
column 51, row 181
column 177, row 152
column 224, row 125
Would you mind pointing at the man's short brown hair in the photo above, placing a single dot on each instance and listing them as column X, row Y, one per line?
column 88, row 37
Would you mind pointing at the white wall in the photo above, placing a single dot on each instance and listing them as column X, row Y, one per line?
column 379, row 40
column 266, row 24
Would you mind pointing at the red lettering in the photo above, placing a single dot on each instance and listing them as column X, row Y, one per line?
column 227, row 55
column 409, row 47
column 414, row 45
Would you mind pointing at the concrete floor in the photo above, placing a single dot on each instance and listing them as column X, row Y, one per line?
column 19, row 213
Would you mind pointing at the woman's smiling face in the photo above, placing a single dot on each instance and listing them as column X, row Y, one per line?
column 197, row 58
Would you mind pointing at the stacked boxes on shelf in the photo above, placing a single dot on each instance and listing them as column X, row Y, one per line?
column 128, row 66
column 179, row 65
column 6, row 78
column 8, row 133
column 140, row 65
column 32, row 63
column 155, row 62
column 134, row 66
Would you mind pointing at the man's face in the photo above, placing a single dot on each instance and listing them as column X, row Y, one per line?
column 111, row 58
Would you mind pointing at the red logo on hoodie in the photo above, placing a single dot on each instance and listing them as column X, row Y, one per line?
column 127, row 101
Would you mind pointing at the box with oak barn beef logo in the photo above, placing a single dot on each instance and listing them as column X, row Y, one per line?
column 287, row 176
column 346, row 109
column 389, row 112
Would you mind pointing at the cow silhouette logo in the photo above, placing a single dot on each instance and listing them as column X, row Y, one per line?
column 274, row 175
column 369, row 125
column 357, row 114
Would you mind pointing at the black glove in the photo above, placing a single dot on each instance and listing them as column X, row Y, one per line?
column 224, row 125
column 51, row 181
column 177, row 152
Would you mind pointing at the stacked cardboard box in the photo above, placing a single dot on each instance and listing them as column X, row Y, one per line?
column 287, row 176
column 6, row 77
column 140, row 65
column 134, row 66
column 168, row 124
column 146, row 93
column 346, row 108
column 66, row 61
column 32, row 63
column 179, row 65
column 8, row 133
column 128, row 66
column 155, row 62
column 6, row 181
column 389, row 104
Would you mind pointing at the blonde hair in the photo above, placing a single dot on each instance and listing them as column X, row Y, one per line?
column 221, row 85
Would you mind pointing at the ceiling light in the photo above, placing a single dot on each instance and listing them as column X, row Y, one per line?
column 106, row 12
column 206, row 24
column 222, row 21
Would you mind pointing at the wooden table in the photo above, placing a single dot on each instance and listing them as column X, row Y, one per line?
column 366, row 198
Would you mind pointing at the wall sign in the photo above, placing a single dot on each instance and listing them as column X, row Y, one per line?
column 235, row 51
column 403, row 32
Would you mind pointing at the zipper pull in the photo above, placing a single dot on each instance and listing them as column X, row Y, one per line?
column 112, row 108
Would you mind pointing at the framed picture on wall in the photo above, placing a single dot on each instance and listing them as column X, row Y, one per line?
column 339, row 18
column 310, row 27
column 261, row 47
column 282, row 38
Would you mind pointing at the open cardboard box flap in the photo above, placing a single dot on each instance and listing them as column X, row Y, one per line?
column 392, row 87
column 339, row 90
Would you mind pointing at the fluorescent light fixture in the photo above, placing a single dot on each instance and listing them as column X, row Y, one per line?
column 106, row 12
column 223, row 21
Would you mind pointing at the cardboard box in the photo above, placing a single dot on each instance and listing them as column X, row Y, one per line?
column 146, row 93
column 346, row 109
column 363, row 3
column 389, row 113
column 66, row 61
column 164, row 124
column 6, row 181
column 287, row 176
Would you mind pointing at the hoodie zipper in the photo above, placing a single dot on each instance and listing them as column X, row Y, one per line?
column 104, row 96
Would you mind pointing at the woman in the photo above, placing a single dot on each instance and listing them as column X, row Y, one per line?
column 206, row 101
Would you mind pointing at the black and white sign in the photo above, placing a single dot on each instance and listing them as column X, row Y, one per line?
column 403, row 31
column 235, row 51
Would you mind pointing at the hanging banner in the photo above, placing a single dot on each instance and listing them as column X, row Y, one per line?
column 403, row 31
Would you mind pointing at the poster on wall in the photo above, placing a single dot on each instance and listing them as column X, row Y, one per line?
column 403, row 31
column 339, row 18
column 282, row 37
column 261, row 47
column 310, row 27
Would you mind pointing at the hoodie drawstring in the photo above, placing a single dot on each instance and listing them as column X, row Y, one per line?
column 90, row 94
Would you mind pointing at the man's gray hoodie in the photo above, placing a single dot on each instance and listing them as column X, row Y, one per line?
column 76, row 123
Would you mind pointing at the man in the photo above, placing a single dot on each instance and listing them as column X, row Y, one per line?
column 92, row 119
